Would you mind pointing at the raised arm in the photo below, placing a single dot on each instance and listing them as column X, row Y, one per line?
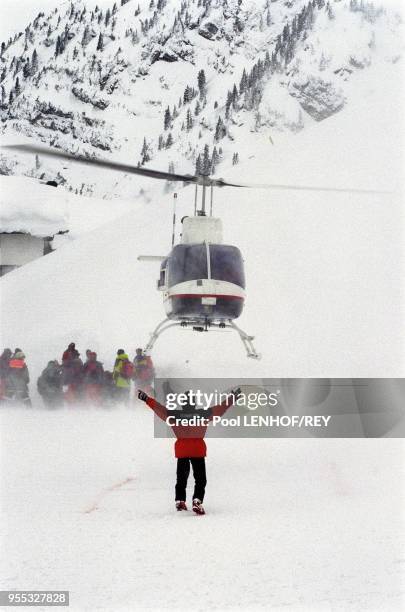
column 158, row 409
column 223, row 407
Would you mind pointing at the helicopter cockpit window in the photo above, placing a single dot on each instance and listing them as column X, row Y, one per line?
column 227, row 264
column 187, row 263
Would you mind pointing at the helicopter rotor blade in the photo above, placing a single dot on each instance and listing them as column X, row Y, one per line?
column 103, row 163
column 174, row 176
column 222, row 183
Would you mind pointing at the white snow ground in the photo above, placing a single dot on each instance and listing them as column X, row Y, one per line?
column 87, row 505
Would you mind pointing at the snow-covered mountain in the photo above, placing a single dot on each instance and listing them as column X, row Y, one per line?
column 162, row 82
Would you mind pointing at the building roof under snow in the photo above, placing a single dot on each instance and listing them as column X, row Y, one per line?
column 31, row 207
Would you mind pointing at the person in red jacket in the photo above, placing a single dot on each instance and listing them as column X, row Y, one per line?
column 190, row 447
column 93, row 379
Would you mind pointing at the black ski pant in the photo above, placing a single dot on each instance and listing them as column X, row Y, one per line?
column 183, row 471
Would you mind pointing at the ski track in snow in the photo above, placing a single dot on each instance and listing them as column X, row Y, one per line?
column 95, row 505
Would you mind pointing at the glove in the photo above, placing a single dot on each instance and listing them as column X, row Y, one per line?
column 142, row 396
column 237, row 393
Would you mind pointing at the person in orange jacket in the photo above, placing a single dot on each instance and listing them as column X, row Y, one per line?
column 18, row 379
column 190, row 447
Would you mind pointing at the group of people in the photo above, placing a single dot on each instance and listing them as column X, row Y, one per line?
column 74, row 381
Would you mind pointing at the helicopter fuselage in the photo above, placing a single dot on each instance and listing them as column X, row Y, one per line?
column 203, row 280
column 202, row 299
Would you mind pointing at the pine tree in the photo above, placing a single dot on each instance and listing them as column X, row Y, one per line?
column 107, row 17
column 100, row 43
column 17, row 87
column 220, row 130
column 214, row 160
column 145, row 153
column 206, row 161
column 57, row 47
column 234, row 95
column 198, row 165
column 235, row 159
column 243, row 82
column 160, row 142
column 34, row 62
column 228, row 104
column 86, row 36
column 189, row 121
column 197, row 109
column 27, row 69
column 188, row 94
column 168, row 119
column 169, row 141
column 202, row 83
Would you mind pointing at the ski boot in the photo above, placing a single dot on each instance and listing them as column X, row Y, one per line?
column 181, row 505
column 198, row 508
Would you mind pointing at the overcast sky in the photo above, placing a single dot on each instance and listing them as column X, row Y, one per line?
column 16, row 14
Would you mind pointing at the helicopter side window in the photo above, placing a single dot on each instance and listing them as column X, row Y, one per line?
column 162, row 278
column 187, row 263
column 227, row 264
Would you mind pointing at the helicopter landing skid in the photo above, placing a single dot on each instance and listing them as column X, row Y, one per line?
column 247, row 341
column 197, row 326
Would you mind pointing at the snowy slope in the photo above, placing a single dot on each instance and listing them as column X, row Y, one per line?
column 298, row 525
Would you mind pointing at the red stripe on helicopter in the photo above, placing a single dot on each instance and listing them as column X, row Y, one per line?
column 205, row 295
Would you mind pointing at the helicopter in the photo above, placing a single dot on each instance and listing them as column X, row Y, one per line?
column 202, row 280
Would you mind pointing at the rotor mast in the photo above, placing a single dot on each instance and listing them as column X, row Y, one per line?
column 204, row 182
